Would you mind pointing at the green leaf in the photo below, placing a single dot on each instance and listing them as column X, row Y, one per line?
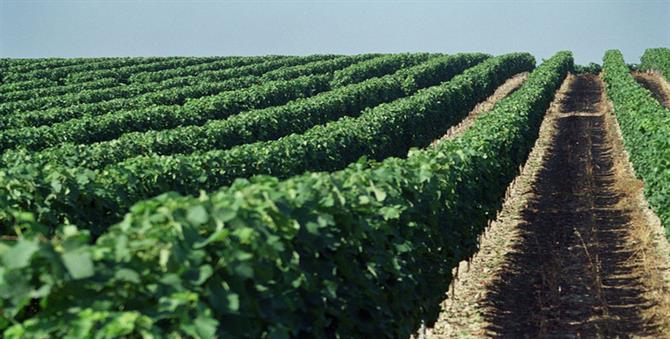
column 164, row 257
column 206, row 326
column 390, row 212
column 19, row 255
column 245, row 270
column 129, row 275
column 244, row 234
column 380, row 195
column 56, row 185
column 233, row 302
column 197, row 215
column 78, row 263
column 312, row 227
column 325, row 220
column 204, row 273
column 226, row 214
column 461, row 154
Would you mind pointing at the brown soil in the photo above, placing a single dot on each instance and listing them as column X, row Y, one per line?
column 656, row 84
column 575, row 252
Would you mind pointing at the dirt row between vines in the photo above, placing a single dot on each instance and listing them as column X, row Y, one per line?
column 656, row 84
column 575, row 251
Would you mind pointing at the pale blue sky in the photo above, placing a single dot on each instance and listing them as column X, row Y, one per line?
column 142, row 28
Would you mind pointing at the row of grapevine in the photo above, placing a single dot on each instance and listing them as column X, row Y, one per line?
column 111, row 125
column 14, row 66
column 60, row 74
column 121, row 91
column 172, row 95
column 389, row 129
column 269, row 123
column 162, row 75
column 252, row 69
column 123, row 73
column 28, row 64
column 177, row 91
column 355, row 253
column 26, row 85
column 54, row 86
column 11, row 67
column 386, row 130
column 336, row 65
column 657, row 59
column 645, row 125
column 47, row 91
column 223, row 63
column 378, row 67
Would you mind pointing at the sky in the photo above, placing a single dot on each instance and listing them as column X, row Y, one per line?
column 58, row 28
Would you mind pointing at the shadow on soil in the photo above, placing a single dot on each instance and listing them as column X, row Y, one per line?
column 571, row 274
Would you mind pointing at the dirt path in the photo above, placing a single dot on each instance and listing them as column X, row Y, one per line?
column 575, row 252
column 656, row 84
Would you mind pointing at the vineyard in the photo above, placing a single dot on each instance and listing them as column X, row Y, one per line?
column 373, row 195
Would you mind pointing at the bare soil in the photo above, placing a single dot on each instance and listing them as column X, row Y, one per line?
column 656, row 84
column 575, row 252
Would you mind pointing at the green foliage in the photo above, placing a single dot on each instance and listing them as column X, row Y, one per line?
column 657, row 59
column 163, row 94
column 45, row 91
column 377, row 67
column 60, row 73
column 232, row 67
column 269, row 123
column 111, row 125
column 645, row 125
column 129, row 91
column 353, row 253
column 385, row 130
column 10, row 87
column 321, row 67
column 176, row 91
column 27, row 65
column 591, row 68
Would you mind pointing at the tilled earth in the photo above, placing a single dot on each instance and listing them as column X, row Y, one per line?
column 574, row 268
column 574, row 277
